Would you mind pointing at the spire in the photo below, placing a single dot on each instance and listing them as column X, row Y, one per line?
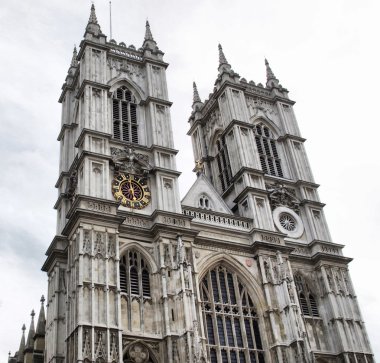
column 148, row 32
column 41, row 319
column 20, row 354
column 93, row 26
column 74, row 61
column 272, row 81
column 196, row 97
column 93, row 19
column 30, row 341
column 149, row 43
column 222, row 57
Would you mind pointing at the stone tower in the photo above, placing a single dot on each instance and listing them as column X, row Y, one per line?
column 243, row 269
column 248, row 147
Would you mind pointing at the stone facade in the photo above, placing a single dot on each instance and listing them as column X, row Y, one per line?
column 243, row 269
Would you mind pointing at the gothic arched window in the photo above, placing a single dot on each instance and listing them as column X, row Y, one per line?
column 266, row 146
column 134, row 275
column 306, row 299
column 124, row 115
column 230, row 319
column 223, row 162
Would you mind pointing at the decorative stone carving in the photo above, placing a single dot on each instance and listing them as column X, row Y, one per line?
column 138, row 353
column 114, row 348
column 111, row 246
column 130, row 162
column 72, row 185
column 279, row 196
column 86, row 242
column 99, row 245
column 100, row 350
column 86, row 349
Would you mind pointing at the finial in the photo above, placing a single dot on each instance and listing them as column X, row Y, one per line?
column 42, row 299
column 93, row 18
column 32, row 314
column 148, row 33
column 23, row 328
column 196, row 97
column 222, row 57
column 270, row 74
column 74, row 61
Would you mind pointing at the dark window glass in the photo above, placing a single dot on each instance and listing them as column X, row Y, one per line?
column 267, row 149
column 124, row 115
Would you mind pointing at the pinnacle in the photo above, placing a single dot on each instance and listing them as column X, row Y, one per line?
column 148, row 32
column 270, row 74
column 74, row 61
column 196, row 97
column 93, row 18
column 222, row 57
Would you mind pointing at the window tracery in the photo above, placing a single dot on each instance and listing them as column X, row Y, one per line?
column 306, row 299
column 124, row 115
column 266, row 146
column 134, row 275
column 230, row 319
column 223, row 162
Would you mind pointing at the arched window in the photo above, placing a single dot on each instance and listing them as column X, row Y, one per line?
column 306, row 299
column 134, row 275
column 204, row 202
column 124, row 115
column 266, row 146
column 223, row 162
column 230, row 319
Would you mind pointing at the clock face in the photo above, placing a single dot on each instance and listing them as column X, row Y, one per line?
column 131, row 190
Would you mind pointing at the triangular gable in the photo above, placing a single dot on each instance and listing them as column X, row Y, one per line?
column 202, row 187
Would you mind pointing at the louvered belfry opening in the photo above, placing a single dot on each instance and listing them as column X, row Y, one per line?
column 134, row 275
column 223, row 161
column 124, row 115
column 306, row 299
column 230, row 319
column 266, row 146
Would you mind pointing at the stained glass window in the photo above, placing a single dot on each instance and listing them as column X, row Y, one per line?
column 231, row 320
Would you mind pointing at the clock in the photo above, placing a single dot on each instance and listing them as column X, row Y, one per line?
column 131, row 190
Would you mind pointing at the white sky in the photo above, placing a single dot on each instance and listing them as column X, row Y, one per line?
column 325, row 52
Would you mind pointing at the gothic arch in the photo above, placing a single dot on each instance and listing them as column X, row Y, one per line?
column 254, row 288
column 126, row 350
column 217, row 133
column 268, row 123
column 147, row 257
column 232, row 307
column 117, row 82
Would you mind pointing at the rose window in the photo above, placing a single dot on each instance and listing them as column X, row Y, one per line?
column 287, row 222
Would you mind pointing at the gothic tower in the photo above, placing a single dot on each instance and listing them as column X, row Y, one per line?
column 243, row 269
column 249, row 150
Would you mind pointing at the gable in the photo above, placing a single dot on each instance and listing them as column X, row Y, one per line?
column 203, row 195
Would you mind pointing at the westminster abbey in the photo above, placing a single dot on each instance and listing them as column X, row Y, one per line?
column 241, row 270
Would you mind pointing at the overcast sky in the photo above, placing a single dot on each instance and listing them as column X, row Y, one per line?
column 326, row 53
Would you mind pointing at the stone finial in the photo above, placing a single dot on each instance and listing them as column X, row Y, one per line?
column 272, row 81
column 222, row 57
column 30, row 340
column 20, row 355
column 93, row 19
column 93, row 25
column 196, row 97
column 41, row 319
column 148, row 32
column 270, row 74
column 74, row 61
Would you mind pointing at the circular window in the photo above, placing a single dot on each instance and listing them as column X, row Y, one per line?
column 287, row 221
